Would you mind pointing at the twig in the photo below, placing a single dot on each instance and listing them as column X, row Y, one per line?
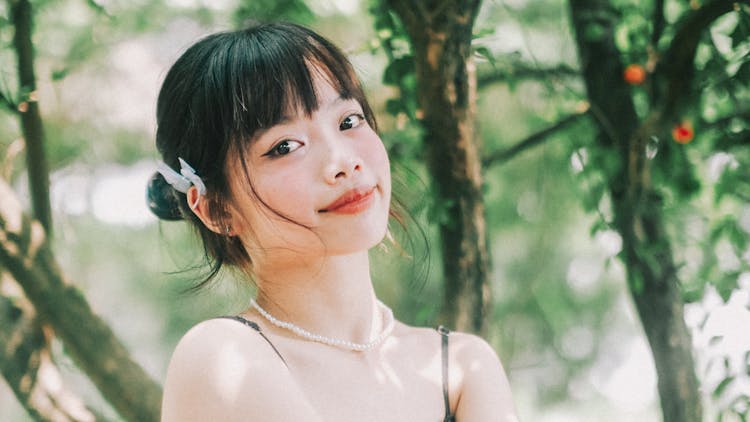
column 30, row 119
column 520, row 70
column 531, row 141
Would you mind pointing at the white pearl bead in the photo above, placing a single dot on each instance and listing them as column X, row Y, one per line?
column 385, row 312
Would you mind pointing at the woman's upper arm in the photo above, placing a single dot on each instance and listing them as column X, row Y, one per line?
column 485, row 392
column 223, row 370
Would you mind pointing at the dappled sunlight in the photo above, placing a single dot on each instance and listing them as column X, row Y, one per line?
column 112, row 193
column 584, row 274
column 231, row 367
column 722, row 340
column 385, row 373
column 720, row 162
column 627, row 379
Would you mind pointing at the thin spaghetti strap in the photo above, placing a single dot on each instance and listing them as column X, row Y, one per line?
column 444, row 332
column 255, row 327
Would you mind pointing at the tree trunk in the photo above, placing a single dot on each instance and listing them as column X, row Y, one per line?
column 25, row 253
column 440, row 33
column 31, row 121
column 647, row 252
column 27, row 366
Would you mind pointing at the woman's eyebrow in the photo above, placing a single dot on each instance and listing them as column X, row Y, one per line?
column 288, row 117
column 336, row 101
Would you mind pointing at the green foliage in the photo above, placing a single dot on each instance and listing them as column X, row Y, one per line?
column 631, row 35
column 594, row 32
column 400, row 68
column 270, row 10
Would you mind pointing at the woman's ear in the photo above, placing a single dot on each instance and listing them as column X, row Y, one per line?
column 201, row 208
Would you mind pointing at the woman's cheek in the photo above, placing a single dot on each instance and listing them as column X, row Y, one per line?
column 375, row 151
column 288, row 196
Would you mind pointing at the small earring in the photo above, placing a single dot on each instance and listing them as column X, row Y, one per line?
column 228, row 230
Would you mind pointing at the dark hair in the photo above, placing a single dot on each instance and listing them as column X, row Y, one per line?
column 218, row 95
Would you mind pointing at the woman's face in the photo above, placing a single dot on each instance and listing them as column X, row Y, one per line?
column 327, row 173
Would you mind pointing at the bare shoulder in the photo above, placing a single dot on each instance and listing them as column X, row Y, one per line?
column 472, row 349
column 220, row 342
column 484, row 393
column 220, row 370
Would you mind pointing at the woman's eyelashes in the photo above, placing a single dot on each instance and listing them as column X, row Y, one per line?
column 283, row 148
column 351, row 121
column 287, row 146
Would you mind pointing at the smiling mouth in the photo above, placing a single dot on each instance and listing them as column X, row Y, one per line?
column 352, row 202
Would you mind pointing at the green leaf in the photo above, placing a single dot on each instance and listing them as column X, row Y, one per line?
column 743, row 74
column 622, row 38
column 485, row 52
column 719, row 390
column 741, row 33
column 59, row 74
column 592, row 198
column 398, row 69
column 599, row 225
column 483, row 32
column 594, row 32
column 726, row 284
column 693, row 293
column 635, row 282
column 394, row 106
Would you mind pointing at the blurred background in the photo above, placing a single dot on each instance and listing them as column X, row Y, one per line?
column 562, row 318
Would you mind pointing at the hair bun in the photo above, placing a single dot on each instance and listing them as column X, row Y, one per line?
column 162, row 199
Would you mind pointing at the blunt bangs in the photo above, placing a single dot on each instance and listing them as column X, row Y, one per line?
column 274, row 74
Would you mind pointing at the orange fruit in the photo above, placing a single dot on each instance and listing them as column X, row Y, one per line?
column 683, row 133
column 634, row 74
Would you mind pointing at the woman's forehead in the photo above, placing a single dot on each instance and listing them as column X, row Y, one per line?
column 325, row 93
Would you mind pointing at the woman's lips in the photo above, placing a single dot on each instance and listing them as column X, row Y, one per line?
column 352, row 202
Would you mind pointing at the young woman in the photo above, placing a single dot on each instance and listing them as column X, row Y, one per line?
column 270, row 149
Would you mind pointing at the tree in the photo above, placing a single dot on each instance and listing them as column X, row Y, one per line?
column 27, row 257
column 634, row 186
column 623, row 152
column 440, row 34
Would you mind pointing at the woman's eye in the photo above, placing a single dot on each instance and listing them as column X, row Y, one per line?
column 283, row 148
column 351, row 121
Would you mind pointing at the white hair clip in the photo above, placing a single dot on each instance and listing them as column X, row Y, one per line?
column 184, row 179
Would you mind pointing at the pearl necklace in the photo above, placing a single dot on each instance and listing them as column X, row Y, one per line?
column 385, row 312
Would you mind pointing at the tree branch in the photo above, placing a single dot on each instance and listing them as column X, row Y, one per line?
column 26, row 253
column 658, row 22
column 675, row 72
column 518, row 70
column 26, row 364
column 500, row 157
column 31, row 121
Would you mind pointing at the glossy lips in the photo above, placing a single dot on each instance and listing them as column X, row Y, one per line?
column 351, row 202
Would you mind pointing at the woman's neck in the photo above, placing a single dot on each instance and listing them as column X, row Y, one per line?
column 333, row 297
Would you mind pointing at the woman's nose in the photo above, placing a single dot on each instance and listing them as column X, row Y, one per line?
column 343, row 162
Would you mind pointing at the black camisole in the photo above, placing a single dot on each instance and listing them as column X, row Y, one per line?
column 444, row 333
